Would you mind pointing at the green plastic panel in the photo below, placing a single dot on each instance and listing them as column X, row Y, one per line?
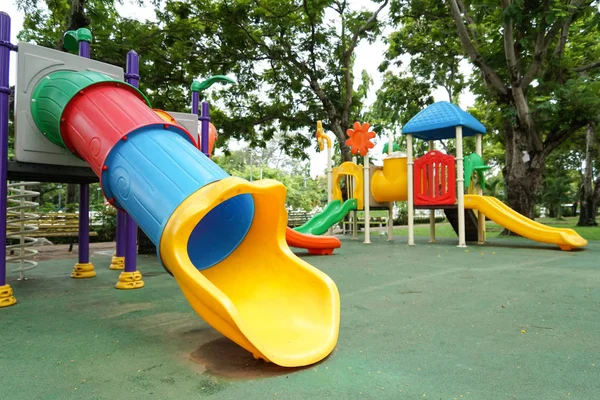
column 332, row 214
column 54, row 92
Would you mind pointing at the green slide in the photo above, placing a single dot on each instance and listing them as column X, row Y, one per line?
column 332, row 214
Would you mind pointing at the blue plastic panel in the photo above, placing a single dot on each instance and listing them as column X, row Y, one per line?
column 439, row 120
column 221, row 231
column 152, row 172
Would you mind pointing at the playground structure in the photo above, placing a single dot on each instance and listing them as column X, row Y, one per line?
column 221, row 237
column 437, row 180
column 433, row 181
column 369, row 187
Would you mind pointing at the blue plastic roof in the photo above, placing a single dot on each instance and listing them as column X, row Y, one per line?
column 439, row 120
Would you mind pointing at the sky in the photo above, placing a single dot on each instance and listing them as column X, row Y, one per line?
column 369, row 56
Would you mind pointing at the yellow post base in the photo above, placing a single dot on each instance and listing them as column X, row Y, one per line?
column 6, row 296
column 117, row 263
column 82, row 271
column 130, row 280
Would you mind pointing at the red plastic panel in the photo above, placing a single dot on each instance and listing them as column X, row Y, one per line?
column 434, row 179
column 99, row 116
column 323, row 245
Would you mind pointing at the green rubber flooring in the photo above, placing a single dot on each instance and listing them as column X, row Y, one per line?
column 509, row 320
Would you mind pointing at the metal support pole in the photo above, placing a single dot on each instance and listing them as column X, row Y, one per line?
column 350, row 187
column 365, row 194
column 410, row 163
column 6, row 294
column 84, row 268
column 329, row 174
column 330, row 181
column 480, row 216
column 432, row 211
column 460, row 187
column 130, row 278
column 390, row 222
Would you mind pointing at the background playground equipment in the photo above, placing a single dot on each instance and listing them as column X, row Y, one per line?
column 435, row 181
column 368, row 188
column 219, row 236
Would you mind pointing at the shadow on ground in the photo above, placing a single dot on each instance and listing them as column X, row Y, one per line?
column 224, row 358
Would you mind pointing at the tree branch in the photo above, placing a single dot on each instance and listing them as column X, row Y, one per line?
column 311, row 45
column 556, row 138
column 543, row 42
column 348, row 56
column 585, row 68
column 491, row 77
column 509, row 48
column 562, row 41
column 470, row 21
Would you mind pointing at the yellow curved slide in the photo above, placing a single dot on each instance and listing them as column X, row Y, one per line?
column 500, row 213
column 262, row 296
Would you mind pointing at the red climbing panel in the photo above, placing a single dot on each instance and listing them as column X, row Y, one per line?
column 434, row 179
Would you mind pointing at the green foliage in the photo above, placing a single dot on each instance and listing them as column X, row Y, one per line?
column 563, row 176
column 425, row 32
column 104, row 222
column 303, row 192
column 292, row 60
column 536, row 73
column 399, row 99
column 494, row 186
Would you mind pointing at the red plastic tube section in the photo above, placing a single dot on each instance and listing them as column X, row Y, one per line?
column 101, row 115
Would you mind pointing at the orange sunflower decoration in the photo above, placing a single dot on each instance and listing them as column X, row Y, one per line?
column 360, row 138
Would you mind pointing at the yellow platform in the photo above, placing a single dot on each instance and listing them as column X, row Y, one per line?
column 263, row 297
column 500, row 213
column 391, row 182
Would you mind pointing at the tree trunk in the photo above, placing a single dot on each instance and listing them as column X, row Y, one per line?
column 77, row 19
column 340, row 134
column 71, row 197
column 522, row 171
column 588, row 198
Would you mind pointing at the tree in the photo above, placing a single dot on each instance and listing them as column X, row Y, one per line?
column 590, row 188
column 529, row 57
column 293, row 62
column 399, row 99
column 561, row 178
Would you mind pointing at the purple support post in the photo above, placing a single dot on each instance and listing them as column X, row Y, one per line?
column 84, row 224
column 121, row 221
column 84, row 49
column 83, row 268
column 195, row 101
column 5, row 48
column 204, row 120
column 132, row 77
column 131, row 244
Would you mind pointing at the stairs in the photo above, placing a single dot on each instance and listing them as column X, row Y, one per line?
column 470, row 223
